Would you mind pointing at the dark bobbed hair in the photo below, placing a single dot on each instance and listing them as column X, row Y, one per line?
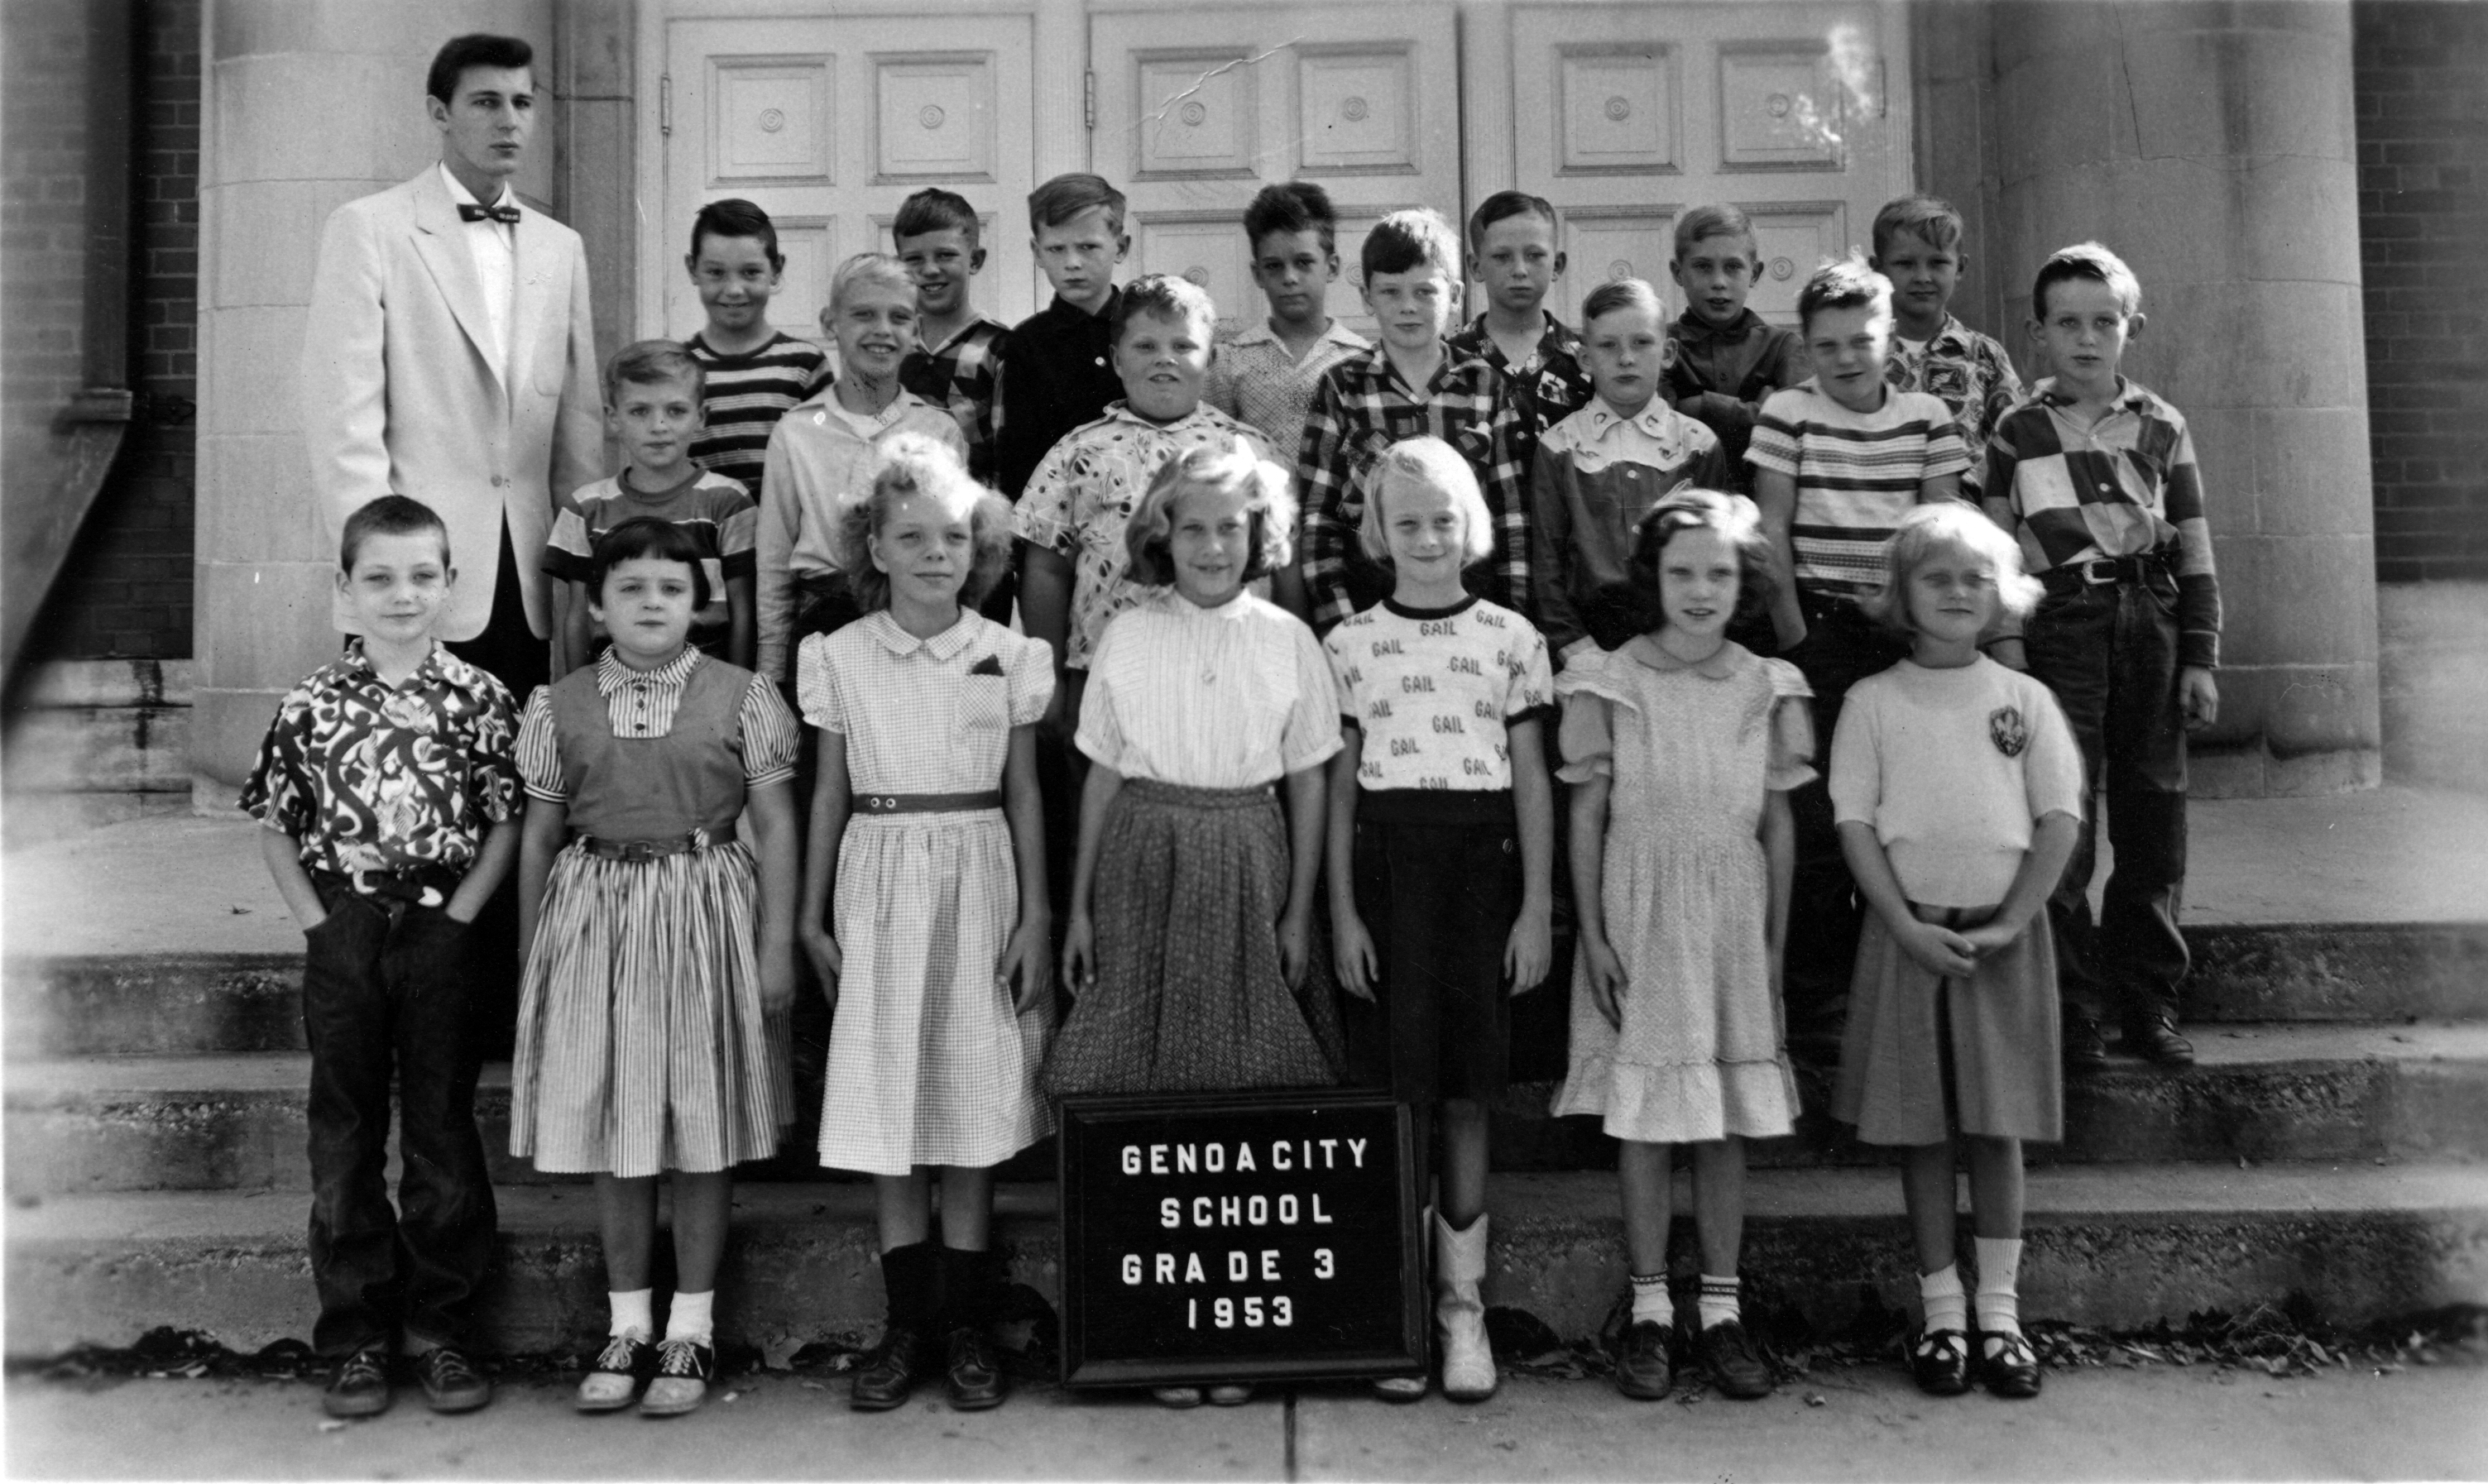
column 911, row 464
column 1737, row 521
column 390, row 515
column 935, row 209
column 735, row 216
column 1149, row 536
column 477, row 49
column 647, row 536
column 1292, row 206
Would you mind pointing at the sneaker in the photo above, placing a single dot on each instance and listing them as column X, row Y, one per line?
column 1939, row 1359
column 1228, row 1395
column 1735, row 1367
column 1644, row 1361
column 2008, row 1364
column 2084, row 1049
column 450, row 1383
column 975, row 1383
column 1399, row 1388
column 683, row 1371
column 614, row 1382
column 2155, row 1038
column 1177, row 1397
column 889, row 1373
column 361, row 1387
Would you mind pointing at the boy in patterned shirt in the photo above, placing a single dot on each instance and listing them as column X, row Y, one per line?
column 1728, row 359
column 1268, row 375
column 753, row 371
column 1513, row 252
column 958, row 352
column 1917, row 246
column 2095, row 476
column 1412, row 385
column 389, row 791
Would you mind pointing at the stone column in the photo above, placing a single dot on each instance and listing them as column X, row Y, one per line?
column 309, row 104
column 2213, row 145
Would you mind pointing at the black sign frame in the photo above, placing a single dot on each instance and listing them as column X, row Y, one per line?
column 1091, row 1123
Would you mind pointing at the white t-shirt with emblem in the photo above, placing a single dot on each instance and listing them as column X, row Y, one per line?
column 1436, row 689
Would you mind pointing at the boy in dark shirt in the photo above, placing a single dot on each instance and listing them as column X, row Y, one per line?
column 1058, row 368
column 1728, row 359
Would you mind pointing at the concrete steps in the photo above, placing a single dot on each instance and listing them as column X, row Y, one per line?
column 96, row 742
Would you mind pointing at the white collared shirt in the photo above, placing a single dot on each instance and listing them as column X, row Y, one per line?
column 1208, row 698
column 494, row 248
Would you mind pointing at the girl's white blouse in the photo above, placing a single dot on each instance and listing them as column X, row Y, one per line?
column 1214, row 698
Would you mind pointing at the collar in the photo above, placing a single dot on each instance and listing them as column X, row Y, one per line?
column 975, row 324
column 1234, row 610
column 2131, row 395
column 1063, row 309
column 1380, row 367
column 353, row 666
column 458, row 192
column 611, row 674
column 821, row 402
column 631, row 491
column 1201, row 415
column 1692, row 326
column 1657, row 421
column 1952, row 332
column 1722, row 662
column 1467, row 602
column 1553, row 336
column 1337, row 333
column 944, row 646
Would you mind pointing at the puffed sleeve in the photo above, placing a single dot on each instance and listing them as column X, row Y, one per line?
column 816, row 685
column 1791, row 761
column 769, row 736
column 540, row 752
column 1312, row 734
column 1586, row 736
column 1857, row 760
column 1101, row 730
column 2053, row 770
column 1032, row 682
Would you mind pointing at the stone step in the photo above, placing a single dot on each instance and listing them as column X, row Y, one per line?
column 104, row 1004
column 2271, row 1092
column 2106, row 1246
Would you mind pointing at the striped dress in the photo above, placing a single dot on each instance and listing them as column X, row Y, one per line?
column 641, row 1045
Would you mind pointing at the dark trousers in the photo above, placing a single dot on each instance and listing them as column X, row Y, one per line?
column 508, row 651
column 2109, row 653
column 385, row 997
column 1842, row 646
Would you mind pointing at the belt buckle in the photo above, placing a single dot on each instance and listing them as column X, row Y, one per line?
column 2091, row 572
column 880, row 804
column 639, row 851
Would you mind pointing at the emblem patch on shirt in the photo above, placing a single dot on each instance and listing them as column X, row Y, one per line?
column 2008, row 730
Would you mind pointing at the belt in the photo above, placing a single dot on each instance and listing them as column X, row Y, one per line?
column 926, row 804
column 2101, row 572
column 650, row 850
column 428, row 883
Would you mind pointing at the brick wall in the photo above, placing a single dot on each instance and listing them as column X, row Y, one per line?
column 43, row 223
column 127, row 590
column 2423, row 235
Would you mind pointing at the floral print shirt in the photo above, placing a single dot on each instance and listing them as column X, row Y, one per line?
column 1973, row 376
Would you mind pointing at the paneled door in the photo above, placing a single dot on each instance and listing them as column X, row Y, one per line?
column 1626, row 115
column 828, row 124
column 1197, row 108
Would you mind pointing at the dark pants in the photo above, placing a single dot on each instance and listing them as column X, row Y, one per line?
column 386, row 995
column 508, row 651
column 1842, row 646
column 1437, row 883
column 2109, row 653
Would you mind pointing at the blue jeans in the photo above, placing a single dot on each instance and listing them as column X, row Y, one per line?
column 2109, row 653
column 386, row 991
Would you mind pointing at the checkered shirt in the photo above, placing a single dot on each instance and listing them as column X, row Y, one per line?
column 1256, row 379
column 960, row 375
column 1361, row 408
column 1971, row 375
column 1543, row 390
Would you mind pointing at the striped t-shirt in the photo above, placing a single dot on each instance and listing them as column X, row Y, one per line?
column 716, row 512
column 746, row 394
column 1856, row 473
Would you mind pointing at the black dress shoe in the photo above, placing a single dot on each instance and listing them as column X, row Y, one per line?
column 889, row 1373
column 450, row 1383
column 2084, row 1049
column 2008, row 1365
column 1644, row 1361
column 361, row 1387
column 975, row 1381
column 1939, row 1361
column 1735, row 1367
column 2155, row 1038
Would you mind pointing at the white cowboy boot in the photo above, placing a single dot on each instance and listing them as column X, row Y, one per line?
column 1459, row 1314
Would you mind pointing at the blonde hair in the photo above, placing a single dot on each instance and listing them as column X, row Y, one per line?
column 908, row 464
column 1932, row 528
column 1436, row 464
column 869, row 268
column 1217, row 469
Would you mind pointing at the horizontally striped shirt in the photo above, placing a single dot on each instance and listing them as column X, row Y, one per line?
column 1856, row 473
column 747, row 395
column 1208, row 698
column 960, row 375
column 713, row 509
column 2123, row 485
column 641, row 704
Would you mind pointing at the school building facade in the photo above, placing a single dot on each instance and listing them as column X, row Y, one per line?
column 2292, row 182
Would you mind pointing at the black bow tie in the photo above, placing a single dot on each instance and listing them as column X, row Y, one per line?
column 468, row 210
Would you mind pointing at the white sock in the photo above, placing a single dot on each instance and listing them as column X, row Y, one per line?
column 2000, row 1274
column 1717, row 1300
column 1939, row 1295
column 688, row 1317
column 630, row 1313
column 1650, row 1301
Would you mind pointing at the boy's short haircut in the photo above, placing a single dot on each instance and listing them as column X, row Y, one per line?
column 868, row 269
column 648, row 362
column 1506, row 204
column 1708, row 221
column 735, row 216
column 647, row 536
column 1149, row 535
column 1931, row 528
column 1295, row 206
column 1931, row 219
column 1413, row 239
column 476, row 49
column 1162, row 297
column 390, row 515
column 1066, row 196
column 1428, row 462
column 907, row 464
column 1622, row 293
column 2085, row 260
column 935, row 209
column 1842, row 283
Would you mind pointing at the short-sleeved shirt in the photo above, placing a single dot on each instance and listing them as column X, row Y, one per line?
column 1544, row 390
column 1599, row 473
column 1081, row 498
column 1228, row 697
column 641, row 705
column 1953, row 768
column 746, row 394
column 715, row 511
column 369, row 777
column 959, row 376
column 1966, row 371
column 1726, row 373
column 1435, row 691
column 1857, row 474
column 1257, row 378
column 923, row 715
column 2123, row 485
column 1363, row 408
column 1057, row 371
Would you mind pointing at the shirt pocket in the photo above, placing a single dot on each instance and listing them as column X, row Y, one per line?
column 984, row 704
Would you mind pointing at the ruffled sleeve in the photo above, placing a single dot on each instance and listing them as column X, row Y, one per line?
column 1590, row 692
column 769, row 736
column 1031, row 671
column 816, row 685
column 540, row 752
column 1790, row 758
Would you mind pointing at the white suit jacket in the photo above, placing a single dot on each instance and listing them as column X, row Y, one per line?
column 399, row 393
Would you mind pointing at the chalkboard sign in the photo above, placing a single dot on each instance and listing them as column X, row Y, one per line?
column 1239, row 1237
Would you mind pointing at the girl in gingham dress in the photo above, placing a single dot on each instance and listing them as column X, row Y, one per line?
column 927, row 827
column 659, row 953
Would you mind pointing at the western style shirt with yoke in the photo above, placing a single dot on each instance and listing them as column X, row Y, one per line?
column 1598, row 474
column 2125, row 486
column 1363, row 408
column 1543, row 390
column 1971, row 374
column 960, row 375
column 1057, row 371
column 374, row 781
column 1255, row 378
column 1728, row 373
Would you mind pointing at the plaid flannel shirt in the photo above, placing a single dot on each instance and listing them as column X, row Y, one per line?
column 1361, row 408
column 959, row 375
